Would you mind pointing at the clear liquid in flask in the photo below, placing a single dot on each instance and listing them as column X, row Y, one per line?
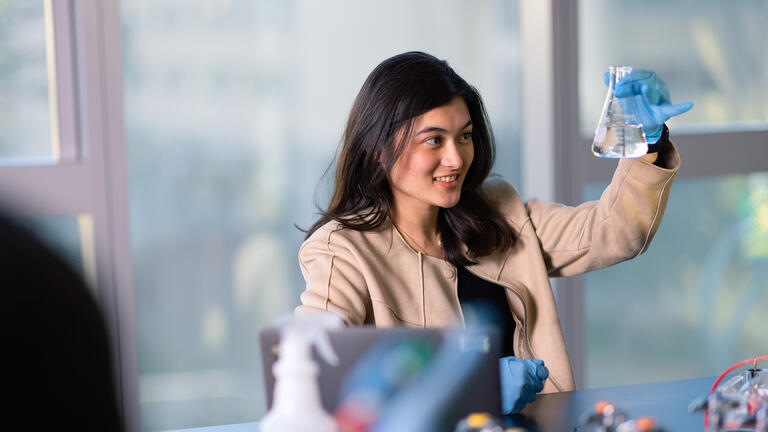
column 617, row 134
column 619, row 140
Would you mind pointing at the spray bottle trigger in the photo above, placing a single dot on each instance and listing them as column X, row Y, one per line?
column 325, row 349
column 315, row 327
column 320, row 337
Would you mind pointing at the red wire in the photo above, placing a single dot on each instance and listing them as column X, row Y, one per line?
column 727, row 371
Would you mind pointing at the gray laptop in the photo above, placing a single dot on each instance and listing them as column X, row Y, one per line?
column 480, row 394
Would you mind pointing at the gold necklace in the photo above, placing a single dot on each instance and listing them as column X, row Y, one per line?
column 415, row 243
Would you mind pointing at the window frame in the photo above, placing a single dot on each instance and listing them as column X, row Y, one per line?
column 88, row 174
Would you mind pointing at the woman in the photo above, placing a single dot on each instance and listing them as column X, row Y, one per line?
column 415, row 227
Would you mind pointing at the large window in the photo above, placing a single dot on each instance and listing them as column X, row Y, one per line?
column 233, row 111
column 694, row 303
column 25, row 130
column 696, row 300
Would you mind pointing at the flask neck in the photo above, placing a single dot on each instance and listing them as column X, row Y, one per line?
column 617, row 73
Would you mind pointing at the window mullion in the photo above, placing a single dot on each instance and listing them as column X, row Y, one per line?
column 100, row 120
column 61, row 79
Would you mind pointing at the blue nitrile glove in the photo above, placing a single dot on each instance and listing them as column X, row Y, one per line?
column 645, row 95
column 520, row 381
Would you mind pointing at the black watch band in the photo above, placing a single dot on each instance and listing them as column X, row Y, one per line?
column 662, row 143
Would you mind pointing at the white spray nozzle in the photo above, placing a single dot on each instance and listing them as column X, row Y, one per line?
column 312, row 327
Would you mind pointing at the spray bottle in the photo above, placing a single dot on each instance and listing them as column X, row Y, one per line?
column 297, row 406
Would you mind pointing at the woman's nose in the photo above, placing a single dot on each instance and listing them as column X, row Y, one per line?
column 451, row 156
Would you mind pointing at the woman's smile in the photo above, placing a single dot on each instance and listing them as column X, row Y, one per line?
column 447, row 181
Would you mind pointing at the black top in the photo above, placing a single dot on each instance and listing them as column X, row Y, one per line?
column 474, row 289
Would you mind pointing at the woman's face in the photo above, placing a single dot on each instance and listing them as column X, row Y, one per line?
column 430, row 171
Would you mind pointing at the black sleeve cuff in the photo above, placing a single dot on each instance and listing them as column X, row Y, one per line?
column 662, row 143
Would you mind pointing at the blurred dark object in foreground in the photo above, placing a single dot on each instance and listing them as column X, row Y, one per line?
column 56, row 369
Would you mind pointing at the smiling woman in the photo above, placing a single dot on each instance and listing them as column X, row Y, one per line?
column 416, row 229
column 416, row 120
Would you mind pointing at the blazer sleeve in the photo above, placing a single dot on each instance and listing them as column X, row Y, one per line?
column 617, row 227
column 334, row 280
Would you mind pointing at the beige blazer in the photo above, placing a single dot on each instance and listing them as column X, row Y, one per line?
column 375, row 277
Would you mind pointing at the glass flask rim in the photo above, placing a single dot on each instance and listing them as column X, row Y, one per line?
column 618, row 71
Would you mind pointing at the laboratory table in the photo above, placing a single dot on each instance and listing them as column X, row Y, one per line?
column 666, row 401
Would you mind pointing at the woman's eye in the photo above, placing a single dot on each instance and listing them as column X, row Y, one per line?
column 434, row 140
column 466, row 136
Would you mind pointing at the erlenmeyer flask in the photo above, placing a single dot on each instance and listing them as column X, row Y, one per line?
column 618, row 135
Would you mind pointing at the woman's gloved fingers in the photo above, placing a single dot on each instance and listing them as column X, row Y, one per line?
column 526, row 397
column 519, row 405
column 653, row 90
column 637, row 75
column 642, row 82
column 641, row 75
column 536, row 386
column 536, row 374
column 670, row 110
column 652, row 117
column 541, row 371
column 520, row 381
column 654, row 95
column 532, row 382
column 538, row 369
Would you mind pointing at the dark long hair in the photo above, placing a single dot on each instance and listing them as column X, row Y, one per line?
column 398, row 90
